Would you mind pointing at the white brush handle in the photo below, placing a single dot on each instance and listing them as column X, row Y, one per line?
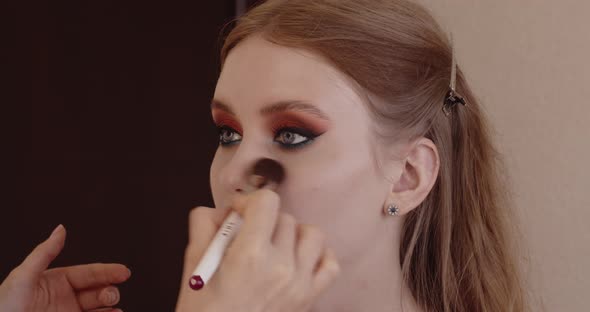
column 214, row 253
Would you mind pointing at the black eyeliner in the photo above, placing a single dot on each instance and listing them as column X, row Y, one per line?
column 300, row 131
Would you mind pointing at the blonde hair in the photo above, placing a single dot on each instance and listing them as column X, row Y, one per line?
column 455, row 252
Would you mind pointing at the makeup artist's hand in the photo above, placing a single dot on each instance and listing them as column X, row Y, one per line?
column 273, row 264
column 32, row 288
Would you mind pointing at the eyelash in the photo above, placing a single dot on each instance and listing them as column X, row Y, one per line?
column 308, row 135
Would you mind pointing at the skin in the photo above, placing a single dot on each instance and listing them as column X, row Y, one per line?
column 272, row 264
column 325, row 219
column 32, row 288
column 340, row 181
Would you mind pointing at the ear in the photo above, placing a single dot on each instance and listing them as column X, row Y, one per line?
column 419, row 173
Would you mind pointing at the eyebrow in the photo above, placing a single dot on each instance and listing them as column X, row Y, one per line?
column 278, row 107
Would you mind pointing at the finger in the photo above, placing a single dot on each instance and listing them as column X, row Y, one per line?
column 204, row 223
column 95, row 274
column 327, row 270
column 99, row 297
column 42, row 256
column 285, row 235
column 310, row 246
column 260, row 212
column 106, row 310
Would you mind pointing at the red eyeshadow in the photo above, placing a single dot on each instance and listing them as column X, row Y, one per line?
column 299, row 120
column 222, row 118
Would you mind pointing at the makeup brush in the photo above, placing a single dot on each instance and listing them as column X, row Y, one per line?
column 266, row 173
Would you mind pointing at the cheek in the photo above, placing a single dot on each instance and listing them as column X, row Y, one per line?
column 344, row 200
column 334, row 187
column 332, row 190
column 342, row 195
column 215, row 177
column 341, row 166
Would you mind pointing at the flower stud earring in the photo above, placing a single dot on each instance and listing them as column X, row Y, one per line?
column 392, row 210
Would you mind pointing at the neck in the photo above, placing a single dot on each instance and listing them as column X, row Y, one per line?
column 370, row 282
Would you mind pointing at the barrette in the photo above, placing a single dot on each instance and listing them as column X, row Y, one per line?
column 452, row 98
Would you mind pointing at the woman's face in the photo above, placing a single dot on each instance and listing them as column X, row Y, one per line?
column 290, row 105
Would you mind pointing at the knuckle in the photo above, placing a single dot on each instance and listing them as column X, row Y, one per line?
column 300, row 294
column 17, row 272
column 302, row 297
column 287, row 219
column 197, row 212
column 252, row 258
column 267, row 198
column 311, row 232
column 333, row 267
column 282, row 273
column 97, row 272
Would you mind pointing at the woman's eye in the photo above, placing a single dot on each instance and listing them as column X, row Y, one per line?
column 286, row 137
column 228, row 135
column 292, row 138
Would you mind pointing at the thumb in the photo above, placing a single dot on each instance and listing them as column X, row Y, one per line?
column 204, row 222
column 40, row 258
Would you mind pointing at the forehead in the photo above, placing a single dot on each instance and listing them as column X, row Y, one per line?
column 257, row 72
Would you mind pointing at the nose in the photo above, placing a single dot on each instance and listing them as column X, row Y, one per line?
column 234, row 177
column 235, row 169
column 259, row 173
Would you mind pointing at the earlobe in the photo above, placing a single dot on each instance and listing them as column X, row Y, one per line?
column 418, row 176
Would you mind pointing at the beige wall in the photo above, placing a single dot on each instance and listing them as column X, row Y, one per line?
column 529, row 63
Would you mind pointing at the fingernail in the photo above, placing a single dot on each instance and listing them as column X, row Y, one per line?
column 57, row 229
column 111, row 296
column 257, row 181
column 128, row 272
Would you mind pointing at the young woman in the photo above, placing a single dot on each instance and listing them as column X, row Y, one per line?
column 392, row 199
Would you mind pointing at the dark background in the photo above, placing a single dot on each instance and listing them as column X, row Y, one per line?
column 120, row 133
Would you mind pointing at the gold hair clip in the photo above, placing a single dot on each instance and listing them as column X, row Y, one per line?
column 452, row 98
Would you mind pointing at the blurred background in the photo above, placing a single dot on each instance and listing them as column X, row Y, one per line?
column 106, row 109
column 528, row 63
column 118, row 139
